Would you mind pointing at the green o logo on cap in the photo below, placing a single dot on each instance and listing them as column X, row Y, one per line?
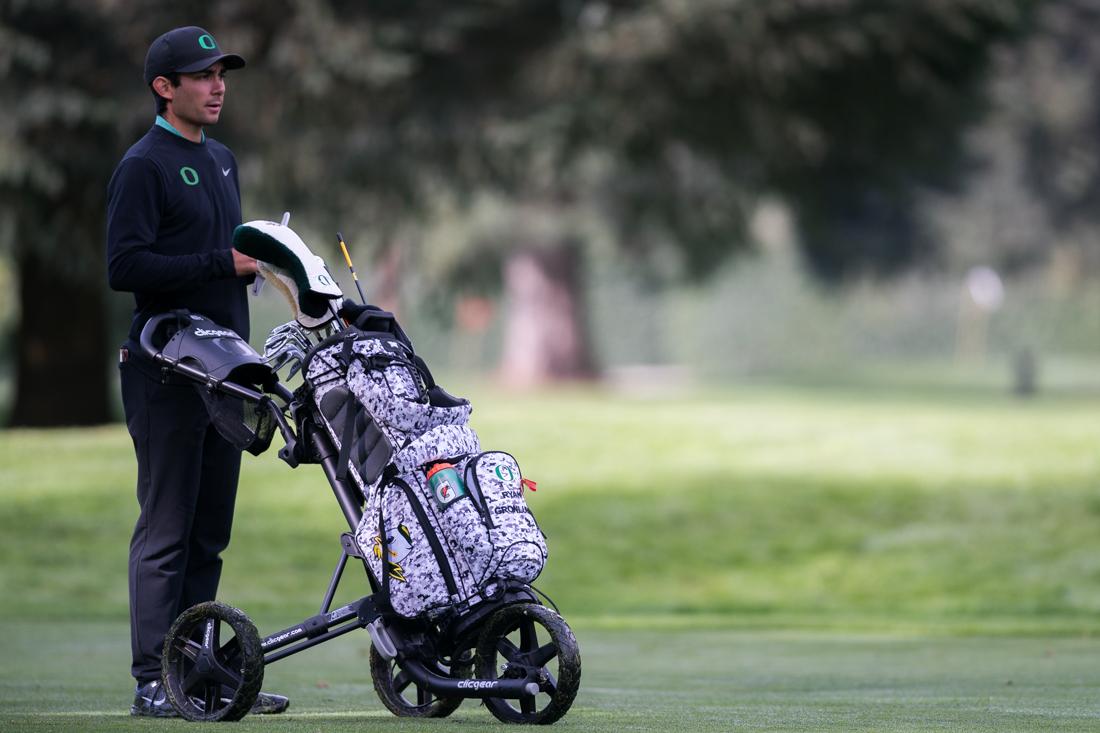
column 189, row 175
column 207, row 42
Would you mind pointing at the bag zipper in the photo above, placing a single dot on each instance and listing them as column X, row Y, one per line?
column 475, row 486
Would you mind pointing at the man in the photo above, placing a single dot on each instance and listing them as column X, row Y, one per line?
column 173, row 203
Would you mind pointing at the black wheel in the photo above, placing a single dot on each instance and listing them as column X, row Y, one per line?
column 406, row 699
column 528, row 641
column 213, row 664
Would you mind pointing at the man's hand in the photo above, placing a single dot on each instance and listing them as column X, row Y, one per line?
column 244, row 265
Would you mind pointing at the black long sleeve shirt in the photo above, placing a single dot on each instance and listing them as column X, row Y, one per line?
column 172, row 206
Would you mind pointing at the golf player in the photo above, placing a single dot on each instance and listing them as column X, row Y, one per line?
column 173, row 202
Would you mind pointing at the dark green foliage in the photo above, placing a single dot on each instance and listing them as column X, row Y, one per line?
column 670, row 120
column 1056, row 106
column 842, row 107
column 846, row 110
column 667, row 121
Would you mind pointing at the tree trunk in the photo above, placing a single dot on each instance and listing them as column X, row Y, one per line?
column 61, row 350
column 546, row 334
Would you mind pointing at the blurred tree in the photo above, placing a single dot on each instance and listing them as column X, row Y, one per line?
column 1032, row 201
column 674, row 118
column 1052, row 102
column 73, row 99
column 667, row 118
column 58, row 128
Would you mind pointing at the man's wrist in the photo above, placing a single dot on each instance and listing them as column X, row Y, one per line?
column 224, row 264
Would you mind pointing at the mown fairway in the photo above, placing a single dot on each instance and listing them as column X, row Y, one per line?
column 633, row 681
column 764, row 559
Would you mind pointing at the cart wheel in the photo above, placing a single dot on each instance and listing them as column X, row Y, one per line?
column 534, row 643
column 213, row 664
column 406, row 699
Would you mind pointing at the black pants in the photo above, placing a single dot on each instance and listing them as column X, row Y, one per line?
column 186, row 487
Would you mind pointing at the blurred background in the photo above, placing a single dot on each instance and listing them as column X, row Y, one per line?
column 791, row 306
column 652, row 193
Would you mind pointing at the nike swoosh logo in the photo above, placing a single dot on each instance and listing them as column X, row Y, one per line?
column 225, row 171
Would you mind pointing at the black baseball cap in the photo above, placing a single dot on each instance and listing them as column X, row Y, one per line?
column 185, row 50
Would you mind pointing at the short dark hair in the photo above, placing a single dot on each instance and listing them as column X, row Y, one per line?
column 162, row 103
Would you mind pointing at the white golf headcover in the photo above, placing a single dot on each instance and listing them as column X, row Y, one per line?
column 292, row 268
column 284, row 283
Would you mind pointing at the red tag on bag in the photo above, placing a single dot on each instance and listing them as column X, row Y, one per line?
column 529, row 484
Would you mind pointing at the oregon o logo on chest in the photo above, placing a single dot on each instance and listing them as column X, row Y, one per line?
column 189, row 175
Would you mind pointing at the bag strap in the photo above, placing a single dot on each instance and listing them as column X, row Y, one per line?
column 347, row 437
column 384, row 559
column 373, row 318
column 347, row 353
column 425, row 373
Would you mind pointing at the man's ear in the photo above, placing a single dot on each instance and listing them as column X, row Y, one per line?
column 162, row 86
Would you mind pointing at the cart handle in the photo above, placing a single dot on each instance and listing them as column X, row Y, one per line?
column 289, row 452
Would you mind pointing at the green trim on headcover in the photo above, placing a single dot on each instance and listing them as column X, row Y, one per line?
column 262, row 246
column 279, row 247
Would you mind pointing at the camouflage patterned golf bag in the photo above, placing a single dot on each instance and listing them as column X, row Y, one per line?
column 435, row 548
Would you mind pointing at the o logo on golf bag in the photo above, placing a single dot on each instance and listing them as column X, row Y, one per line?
column 505, row 473
column 207, row 42
column 189, row 175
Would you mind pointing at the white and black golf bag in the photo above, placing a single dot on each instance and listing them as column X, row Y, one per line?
column 439, row 545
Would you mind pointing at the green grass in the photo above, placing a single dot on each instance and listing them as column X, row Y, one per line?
column 762, row 559
column 633, row 681
column 763, row 509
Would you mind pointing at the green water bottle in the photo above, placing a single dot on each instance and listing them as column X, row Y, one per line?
column 445, row 483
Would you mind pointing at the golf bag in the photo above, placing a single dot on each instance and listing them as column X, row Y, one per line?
column 436, row 545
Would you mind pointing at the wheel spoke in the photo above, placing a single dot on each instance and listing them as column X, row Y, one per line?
column 212, row 696
column 541, row 656
column 401, row 680
column 423, row 695
column 528, row 640
column 211, row 631
column 225, row 676
column 191, row 680
column 550, row 686
column 527, row 705
column 507, row 649
column 189, row 649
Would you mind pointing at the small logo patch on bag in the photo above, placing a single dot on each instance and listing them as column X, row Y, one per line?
column 445, row 493
column 399, row 542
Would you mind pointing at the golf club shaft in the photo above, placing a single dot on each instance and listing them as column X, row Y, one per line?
column 351, row 267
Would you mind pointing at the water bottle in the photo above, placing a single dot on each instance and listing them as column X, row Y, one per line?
column 445, row 484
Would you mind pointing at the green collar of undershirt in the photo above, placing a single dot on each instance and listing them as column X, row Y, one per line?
column 161, row 122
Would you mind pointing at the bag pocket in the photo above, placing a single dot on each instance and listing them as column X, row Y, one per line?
column 385, row 379
column 460, row 519
column 519, row 547
column 409, row 552
column 360, row 443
